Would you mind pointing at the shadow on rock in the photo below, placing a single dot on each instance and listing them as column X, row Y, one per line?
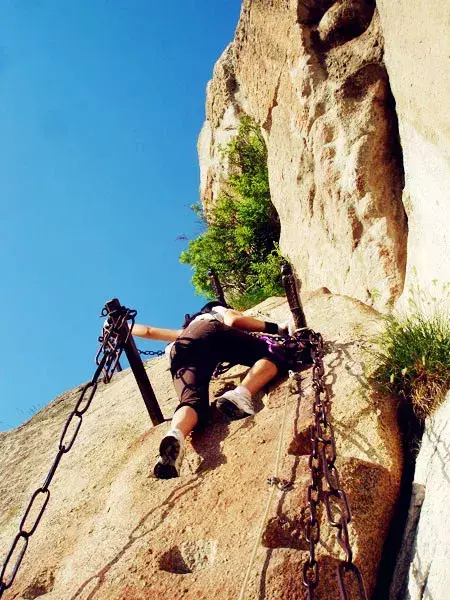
column 207, row 442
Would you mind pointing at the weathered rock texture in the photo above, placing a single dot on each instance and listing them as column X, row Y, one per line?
column 422, row 570
column 112, row 531
column 417, row 45
column 311, row 73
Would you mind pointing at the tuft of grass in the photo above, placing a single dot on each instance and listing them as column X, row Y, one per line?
column 412, row 355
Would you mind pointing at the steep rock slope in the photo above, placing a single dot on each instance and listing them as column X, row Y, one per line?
column 417, row 46
column 311, row 73
column 112, row 531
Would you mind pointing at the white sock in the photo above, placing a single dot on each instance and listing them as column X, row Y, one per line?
column 175, row 430
column 241, row 389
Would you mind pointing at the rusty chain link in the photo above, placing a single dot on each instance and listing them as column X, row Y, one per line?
column 310, row 572
column 107, row 359
column 151, row 352
column 322, row 467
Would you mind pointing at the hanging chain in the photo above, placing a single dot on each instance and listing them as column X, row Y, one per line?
column 322, row 467
column 107, row 359
column 310, row 573
column 151, row 352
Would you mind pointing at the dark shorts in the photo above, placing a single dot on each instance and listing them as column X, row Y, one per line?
column 199, row 349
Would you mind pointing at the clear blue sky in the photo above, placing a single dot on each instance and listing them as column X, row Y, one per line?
column 101, row 104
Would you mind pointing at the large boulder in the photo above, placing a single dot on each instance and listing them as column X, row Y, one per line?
column 312, row 75
column 112, row 531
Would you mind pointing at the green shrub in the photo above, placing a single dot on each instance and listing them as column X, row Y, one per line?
column 265, row 281
column 242, row 229
column 412, row 356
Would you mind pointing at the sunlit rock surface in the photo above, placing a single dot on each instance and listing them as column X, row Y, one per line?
column 112, row 531
column 312, row 75
column 417, row 51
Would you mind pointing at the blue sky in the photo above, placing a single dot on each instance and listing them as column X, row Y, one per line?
column 101, row 104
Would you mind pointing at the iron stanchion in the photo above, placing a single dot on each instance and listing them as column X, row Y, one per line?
column 137, row 366
column 295, row 304
column 216, row 286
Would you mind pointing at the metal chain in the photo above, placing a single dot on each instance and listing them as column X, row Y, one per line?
column 151, row 352
column 322, row 466
column 107, row 359
column 310, row 572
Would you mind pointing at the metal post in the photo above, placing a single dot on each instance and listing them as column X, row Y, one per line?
column 137, row 367
column 143, row 382
column 295, row 304
column 216, row 286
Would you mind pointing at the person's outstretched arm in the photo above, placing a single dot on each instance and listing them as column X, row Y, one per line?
column 155, row 333
column 234, row 318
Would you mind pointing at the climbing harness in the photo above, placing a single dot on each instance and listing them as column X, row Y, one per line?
column 293, row 349
column 275, row 483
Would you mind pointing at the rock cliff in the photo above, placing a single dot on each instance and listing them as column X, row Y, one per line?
column 417, row 50
column 312, row 75
column 112, row 531
column 351, row 98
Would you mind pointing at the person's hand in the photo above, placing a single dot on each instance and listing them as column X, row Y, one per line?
column 286, row 327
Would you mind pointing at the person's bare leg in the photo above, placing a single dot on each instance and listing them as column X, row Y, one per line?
column 237, row 403
column 185, row 419
column 261, row 373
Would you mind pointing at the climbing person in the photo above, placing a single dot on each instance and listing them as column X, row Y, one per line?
column 214, row 335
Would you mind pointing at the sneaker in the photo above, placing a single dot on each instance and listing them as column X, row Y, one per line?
column 171, row 452
column 235, row 405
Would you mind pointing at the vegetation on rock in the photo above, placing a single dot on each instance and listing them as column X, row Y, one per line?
column 412, row 356
column 242, row 229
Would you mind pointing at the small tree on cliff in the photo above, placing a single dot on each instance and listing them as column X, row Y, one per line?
column 242, row 229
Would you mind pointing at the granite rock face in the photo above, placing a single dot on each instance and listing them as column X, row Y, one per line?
column 312, row 75
column 112, row 531
column 417, row 50
column 422, row 566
